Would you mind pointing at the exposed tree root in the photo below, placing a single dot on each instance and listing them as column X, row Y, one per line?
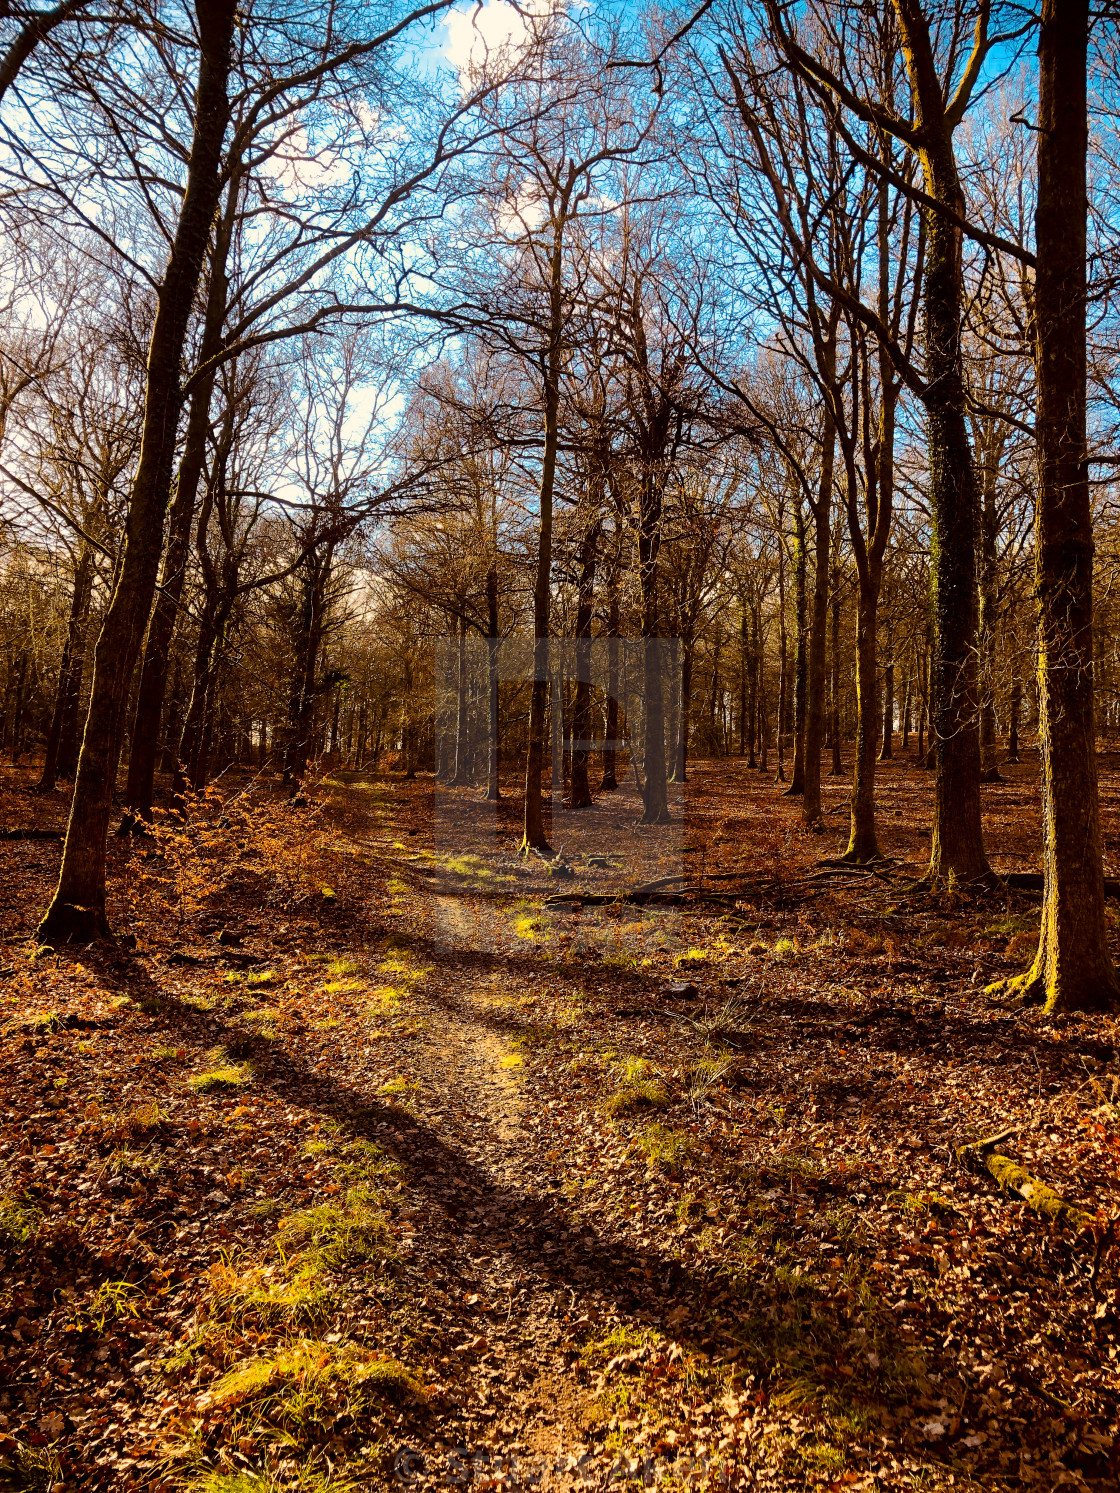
column 1027, row 989
column 1014, row 1178
column 857, row 858
column 540, row 848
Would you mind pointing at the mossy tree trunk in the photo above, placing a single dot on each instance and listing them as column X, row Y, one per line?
column 1073, row 969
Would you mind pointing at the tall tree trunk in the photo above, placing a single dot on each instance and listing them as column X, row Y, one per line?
column 78, row 907
column 580, row 796
column 801, row 666
column 744, row 651
column 957, row 844
column 989, row 765
column 753, row 731
column 834, row 725
column 534, row 837
column 70, row 669
column 494, row 743
column 653, row 672
column 688, row 650
column 906, row 707
column 863, row 843
column 140, row 785
column 462, row 717
column 186, row 769
column 783, row 663
column 818, row 631
column 610, row 739
column 1073, row 970
column 886, row 752
column 1014, row 710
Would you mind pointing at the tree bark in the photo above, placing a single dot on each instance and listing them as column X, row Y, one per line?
column 78, row 907
column 837, row 769
column 534, row 837
column 801, row 666
column 580, row 796
column 989, row 766
column 140, row 785
column 460, row 776
column 62, row 735
column 822, row 553
column 1073, row 970
column 610, row 739
column 1014, row 710
column 783, row 661
column 493, row 757
column 886, row 751
column 649, row 546
column 957, row 843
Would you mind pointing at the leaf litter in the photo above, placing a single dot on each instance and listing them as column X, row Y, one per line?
column 435, row 1180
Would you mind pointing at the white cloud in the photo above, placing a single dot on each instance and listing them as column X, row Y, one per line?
column 481, row 30
column 523, row 213
column 296, row 167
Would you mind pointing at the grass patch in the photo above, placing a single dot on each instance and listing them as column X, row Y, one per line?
column 293, row 1292
column 633, row 1098
column 336, row 1235
column 666, row 1148
column 167, row 1054
column 114, row 1300
column 396, row 1086
column 18, row 1223
column 125, row 1159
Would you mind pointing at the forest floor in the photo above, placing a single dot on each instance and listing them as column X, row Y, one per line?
column 367, row 1165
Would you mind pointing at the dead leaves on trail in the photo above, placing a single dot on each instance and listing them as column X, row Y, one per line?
column 431, row 1174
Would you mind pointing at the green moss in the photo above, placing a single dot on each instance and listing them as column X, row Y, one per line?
column 230, row 1076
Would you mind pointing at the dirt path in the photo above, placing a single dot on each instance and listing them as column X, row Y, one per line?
column 521, row 1408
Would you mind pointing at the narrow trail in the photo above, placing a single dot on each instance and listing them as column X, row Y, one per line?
column 521, row 1405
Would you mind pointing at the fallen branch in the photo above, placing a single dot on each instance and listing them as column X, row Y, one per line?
column 1014, row 1178
column 32, row 834
column 1032, row 881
